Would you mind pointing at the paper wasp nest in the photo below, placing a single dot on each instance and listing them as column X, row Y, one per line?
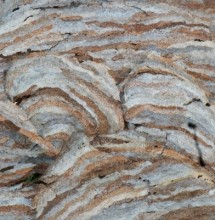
column 107, row 109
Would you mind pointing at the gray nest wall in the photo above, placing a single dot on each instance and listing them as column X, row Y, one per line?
column 107, row 109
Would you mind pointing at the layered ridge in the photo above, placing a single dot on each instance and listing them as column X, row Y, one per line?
column 62, row 96
column 125, row 180
column 164, row 105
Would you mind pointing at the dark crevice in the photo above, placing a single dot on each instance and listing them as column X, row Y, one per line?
column 198, row 40
column 18, row 100
column 193, row 100
column 31, row 16
column 128, row 125
column 23, row 54
column 101, row 176
column 32, row 178
column 2, row 56
column 15, row 9
column 73, row 4
column 6, row 169
column 200, row 158
column 191, row 125
column 122, row 96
